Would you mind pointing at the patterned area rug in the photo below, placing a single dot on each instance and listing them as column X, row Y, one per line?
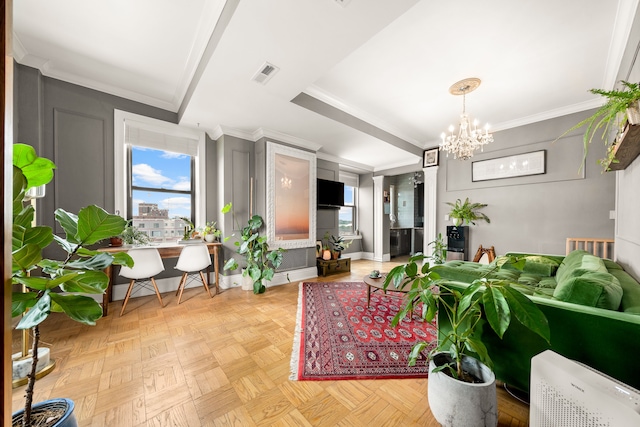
column 339, row 338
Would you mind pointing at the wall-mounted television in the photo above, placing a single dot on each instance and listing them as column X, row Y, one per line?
column 330, row 194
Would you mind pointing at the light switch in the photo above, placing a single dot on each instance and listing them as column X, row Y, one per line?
column 446, row 217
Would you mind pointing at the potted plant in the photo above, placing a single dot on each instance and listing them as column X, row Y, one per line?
column 261, row 262
column 336, row 244
column 210, row 232
column 42, row 286
column 460, row 376
column 467, row 212
column 439, row 250
column 621, row 106
column 132, row 235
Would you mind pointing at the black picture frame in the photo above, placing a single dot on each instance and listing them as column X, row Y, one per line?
column 430, row 158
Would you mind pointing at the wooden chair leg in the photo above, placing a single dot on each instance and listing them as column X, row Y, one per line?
column 157, row 291
column 205, row 284
column 183, row 282
column 126, row 298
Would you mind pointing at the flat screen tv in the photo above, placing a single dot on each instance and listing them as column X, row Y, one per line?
column 330, row 194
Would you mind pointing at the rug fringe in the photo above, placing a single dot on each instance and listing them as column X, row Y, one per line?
column 295, row 352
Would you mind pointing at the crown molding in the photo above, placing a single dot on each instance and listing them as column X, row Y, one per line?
column 283, row 137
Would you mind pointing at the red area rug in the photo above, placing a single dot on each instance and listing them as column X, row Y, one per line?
column 339, row 338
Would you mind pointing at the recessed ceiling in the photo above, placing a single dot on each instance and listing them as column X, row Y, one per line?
column 370, row 80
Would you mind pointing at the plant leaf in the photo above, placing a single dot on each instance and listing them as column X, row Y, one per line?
column 496, row 309
column 95, row 224
column 26, row 257
column 37, row 313
column 21, row 301
column 527, row 313
column 80, row 308
column 89, row 282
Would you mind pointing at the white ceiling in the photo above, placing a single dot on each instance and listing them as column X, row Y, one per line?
column 374, row 75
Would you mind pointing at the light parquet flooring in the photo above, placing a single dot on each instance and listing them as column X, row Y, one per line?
column 222, row 361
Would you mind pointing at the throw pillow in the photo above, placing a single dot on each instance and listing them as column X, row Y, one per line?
column 534, row 264
column 592, row 288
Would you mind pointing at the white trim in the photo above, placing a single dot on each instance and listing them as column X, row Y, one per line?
column 123, row 119
column 378, row 223
column 430, row 202
column 280, row 278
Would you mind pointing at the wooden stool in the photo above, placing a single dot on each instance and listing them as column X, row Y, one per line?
column 491, row 254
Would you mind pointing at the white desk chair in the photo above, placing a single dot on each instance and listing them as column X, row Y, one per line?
column 147, row 263
column 193, row 259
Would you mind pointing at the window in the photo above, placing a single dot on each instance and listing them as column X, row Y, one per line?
column 159, row 173
column 347, row 217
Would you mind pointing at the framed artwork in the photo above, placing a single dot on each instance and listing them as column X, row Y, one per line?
column 533, row 163
column 291, row 197
column 318, row 248
column 430, row 158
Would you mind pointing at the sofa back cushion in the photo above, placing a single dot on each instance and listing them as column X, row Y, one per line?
column 578, row 260
column 591, row 288
column 534, row 264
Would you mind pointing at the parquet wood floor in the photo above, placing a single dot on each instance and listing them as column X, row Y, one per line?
column 222, row 361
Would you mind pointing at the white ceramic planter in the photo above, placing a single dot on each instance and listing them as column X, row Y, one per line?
column 457, row 221
column 459, row 404
column 209, row 238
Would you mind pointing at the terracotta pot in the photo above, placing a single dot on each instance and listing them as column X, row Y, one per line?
column 115, row 241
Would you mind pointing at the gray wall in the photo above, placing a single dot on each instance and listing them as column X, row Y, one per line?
column 627, row 234
column 534, row 213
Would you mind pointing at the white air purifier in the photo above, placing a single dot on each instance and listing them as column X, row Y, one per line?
column 565, row 393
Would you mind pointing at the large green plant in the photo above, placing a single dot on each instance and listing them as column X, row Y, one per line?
column 613, row 113
column 468, row 212
column 261, row 261
column 44, row 286
column 492, row 301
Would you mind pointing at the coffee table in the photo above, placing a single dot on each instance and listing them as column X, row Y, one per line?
column 377, row 284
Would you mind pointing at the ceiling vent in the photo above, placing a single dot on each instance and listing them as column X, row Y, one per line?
column 264, row 73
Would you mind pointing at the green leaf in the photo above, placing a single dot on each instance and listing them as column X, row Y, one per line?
column 100, row 261
column 68, row 246
column 41, row 236
column 231, row 264
column 255, row 222
column 69, row 222
column 21, row 301
column 80, row 308
column 32, row 282
column 254, row 272
column 527, row 313
column 36, row 314
column 88, row 282
column 468, row 294
column 414, row 355
column 95, row 224
column 26, row 257
column 496, row 309
column 477, row 346
column 23, row 215
column 122, row 258
column 37, row 170
column 226, row 208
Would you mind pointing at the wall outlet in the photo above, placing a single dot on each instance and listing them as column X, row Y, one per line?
column 612, row 214
column 446, row 217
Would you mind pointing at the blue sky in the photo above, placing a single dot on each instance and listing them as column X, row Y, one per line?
column 162, row 170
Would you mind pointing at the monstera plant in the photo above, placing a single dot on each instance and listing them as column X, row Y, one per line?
column 43, row 286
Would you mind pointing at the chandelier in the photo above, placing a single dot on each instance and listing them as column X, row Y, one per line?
column 285, row 182
column 467, row 140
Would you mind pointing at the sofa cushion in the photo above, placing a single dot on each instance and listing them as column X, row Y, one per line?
column 534, row 264
column 631, row 291
column 578, row 259
column 590, row 288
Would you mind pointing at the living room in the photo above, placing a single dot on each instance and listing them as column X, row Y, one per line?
column 66, row 120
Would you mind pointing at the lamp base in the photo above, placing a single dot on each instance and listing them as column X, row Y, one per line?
column 22, row 366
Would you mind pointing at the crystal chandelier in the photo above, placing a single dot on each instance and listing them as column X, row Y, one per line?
column 285, row 182
column 467, row 140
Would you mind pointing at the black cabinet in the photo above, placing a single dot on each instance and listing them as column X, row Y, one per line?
column 457, row 243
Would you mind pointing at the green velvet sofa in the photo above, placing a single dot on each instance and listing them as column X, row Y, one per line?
column 592, row 305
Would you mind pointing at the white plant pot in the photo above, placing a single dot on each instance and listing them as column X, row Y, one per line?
column 209, row 238
column 456, row 403
column 457, row 221
column 247, row 282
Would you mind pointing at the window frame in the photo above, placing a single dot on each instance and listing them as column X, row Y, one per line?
column 351, row 180
column 122, row 120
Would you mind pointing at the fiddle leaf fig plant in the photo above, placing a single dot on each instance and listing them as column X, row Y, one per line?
column 484, row 301
column 261, row 262
column 44, row 286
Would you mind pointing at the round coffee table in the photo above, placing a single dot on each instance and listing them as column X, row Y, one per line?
column 377, row 284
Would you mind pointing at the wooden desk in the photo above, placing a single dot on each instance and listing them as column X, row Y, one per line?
column 166, row 250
